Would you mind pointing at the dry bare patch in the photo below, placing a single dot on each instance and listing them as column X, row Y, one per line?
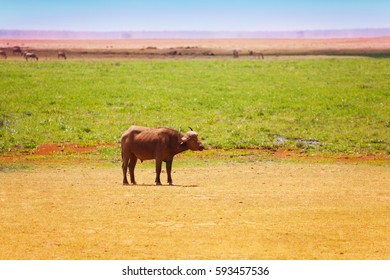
column 239, row 211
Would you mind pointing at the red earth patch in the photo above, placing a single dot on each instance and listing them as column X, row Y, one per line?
column 54, row 149
column 49, row 149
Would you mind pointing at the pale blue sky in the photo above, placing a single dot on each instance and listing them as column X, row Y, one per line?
column 194, row 15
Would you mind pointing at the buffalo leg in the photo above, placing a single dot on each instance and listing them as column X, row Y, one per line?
column 158, row 171
column 125, row 164
column 133, row 162
column 169, row 171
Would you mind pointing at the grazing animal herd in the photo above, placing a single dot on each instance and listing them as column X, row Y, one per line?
column 28, row 55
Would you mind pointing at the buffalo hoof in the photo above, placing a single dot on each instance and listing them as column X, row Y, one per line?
column 158, row 184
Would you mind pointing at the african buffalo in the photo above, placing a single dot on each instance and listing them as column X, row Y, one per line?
column 161, row 144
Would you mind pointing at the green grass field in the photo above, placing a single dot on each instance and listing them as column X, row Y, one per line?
column 321, row 106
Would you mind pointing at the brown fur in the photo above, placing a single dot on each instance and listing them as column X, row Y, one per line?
column 161, row 144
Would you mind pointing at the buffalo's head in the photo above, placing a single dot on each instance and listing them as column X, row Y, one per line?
column 192, row 141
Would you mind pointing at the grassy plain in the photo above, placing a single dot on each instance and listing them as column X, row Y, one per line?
column 319, row 106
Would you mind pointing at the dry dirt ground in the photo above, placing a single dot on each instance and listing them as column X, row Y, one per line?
column 265, row 210
column 189, row 48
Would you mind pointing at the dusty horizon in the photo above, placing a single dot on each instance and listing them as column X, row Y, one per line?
column 378, row 44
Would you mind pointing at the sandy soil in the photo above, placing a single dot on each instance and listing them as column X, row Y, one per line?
column 379, row 43
column 269, row 210
column 87, row 49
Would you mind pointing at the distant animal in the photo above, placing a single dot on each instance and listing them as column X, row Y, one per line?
column 235, row 53
column 256, row 54
column 161, row 144
column 61, row 55
column 30, row 55
column 172, row 53
column 209, row 53
column 3, row 54
column 17, row 49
